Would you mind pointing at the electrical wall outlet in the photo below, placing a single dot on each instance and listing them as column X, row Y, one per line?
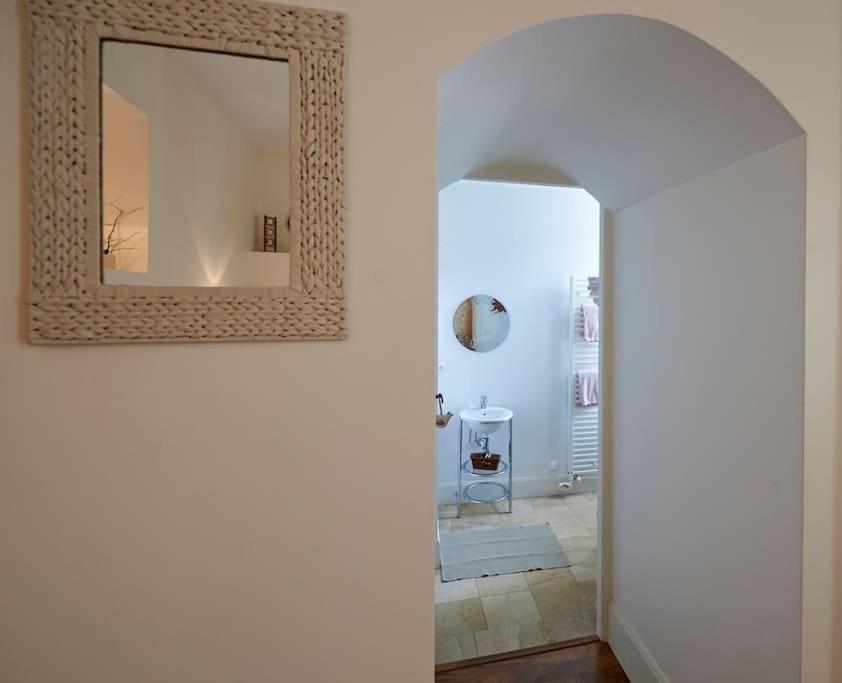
column 553, row 465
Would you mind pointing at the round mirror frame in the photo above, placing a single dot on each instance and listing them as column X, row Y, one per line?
column 464, row 330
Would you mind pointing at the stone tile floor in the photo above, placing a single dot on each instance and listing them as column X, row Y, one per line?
column 493, row 614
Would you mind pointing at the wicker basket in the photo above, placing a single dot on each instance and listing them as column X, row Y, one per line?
column 485, row 461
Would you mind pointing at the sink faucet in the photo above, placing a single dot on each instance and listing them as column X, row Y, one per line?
column 483, row 402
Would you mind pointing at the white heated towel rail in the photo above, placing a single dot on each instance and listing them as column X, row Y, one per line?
column 583, row 451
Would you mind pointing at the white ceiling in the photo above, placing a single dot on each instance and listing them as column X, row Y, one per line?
column 255, row 92
column 626, row 107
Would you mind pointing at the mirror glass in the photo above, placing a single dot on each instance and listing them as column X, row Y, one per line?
column 481, row 323
column 195, row 168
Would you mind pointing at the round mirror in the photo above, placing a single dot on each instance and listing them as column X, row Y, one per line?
column 481, row 323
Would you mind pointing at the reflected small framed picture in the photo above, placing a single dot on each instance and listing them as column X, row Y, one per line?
column 270, row 233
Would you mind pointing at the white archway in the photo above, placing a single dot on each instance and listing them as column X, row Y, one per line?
column 626, row 107
column 702, row 172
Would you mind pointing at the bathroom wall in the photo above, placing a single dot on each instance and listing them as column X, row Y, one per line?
column 186, row 513
column 197, row 237
column 707, row 446
column 520, row 244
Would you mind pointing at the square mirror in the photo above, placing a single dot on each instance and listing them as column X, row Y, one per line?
column 195, row 176
column 187, row 180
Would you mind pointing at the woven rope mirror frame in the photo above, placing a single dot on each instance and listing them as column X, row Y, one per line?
column 67, row 302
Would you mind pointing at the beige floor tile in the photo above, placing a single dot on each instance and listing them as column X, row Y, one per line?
column 468, row 645
column 587, row 513
column 455, row 648
column 589, row 589
column 566, row 527
column 580, row 499
column 543, row 577
column 559, row 630
column 559, row 601
column 549, row 503
column 586, row 517
column 469, row 509
column 447, row 511
column 567, row 520
column 509, row 638
column 551, row 515
column 519, row 517
column 586, row 559
column 587, row 520
column 559, row 511
column 511, row 608
column 445, row 524
column 580, row 550
column 530, row 635
column 583, row 573
column 585, row 509
column 581, row 502
column 573, row 543
column 462, row 616
column 503, row 639
column 502, row 506
column 504, row 583
column 447, row 650
column 474, row 522
column 518, row 505
column 451, row 591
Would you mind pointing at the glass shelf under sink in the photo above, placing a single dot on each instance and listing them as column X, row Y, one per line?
column 485, row 492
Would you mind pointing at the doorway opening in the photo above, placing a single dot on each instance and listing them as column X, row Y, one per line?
column 698, row 172
column 518, row 365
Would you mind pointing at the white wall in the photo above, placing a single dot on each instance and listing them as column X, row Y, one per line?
column 520, row 244
column 125, row 183
column 708, row 286
column 270, row 173
column 210, row 547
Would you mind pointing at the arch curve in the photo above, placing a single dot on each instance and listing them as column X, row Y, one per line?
column 624, row 105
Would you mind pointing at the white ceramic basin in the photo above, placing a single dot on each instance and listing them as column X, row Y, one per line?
column 485, row 420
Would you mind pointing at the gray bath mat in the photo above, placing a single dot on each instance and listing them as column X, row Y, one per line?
column 507, row 550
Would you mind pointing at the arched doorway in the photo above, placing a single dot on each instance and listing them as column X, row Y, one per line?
column 701, row 174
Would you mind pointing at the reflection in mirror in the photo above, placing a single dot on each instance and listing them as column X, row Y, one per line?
column 195, row 168
column 481, row 323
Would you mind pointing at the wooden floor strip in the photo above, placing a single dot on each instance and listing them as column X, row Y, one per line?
column 502, row 656
column 587, row 663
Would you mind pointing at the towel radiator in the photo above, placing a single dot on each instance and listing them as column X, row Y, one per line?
column 583, row 424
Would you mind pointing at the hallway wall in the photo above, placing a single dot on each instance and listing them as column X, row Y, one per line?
column 708, row 287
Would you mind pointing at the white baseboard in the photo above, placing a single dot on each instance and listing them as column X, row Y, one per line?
column 636, row 659
column 522, row 487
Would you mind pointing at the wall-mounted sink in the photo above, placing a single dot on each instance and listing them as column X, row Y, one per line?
column 485, row 420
